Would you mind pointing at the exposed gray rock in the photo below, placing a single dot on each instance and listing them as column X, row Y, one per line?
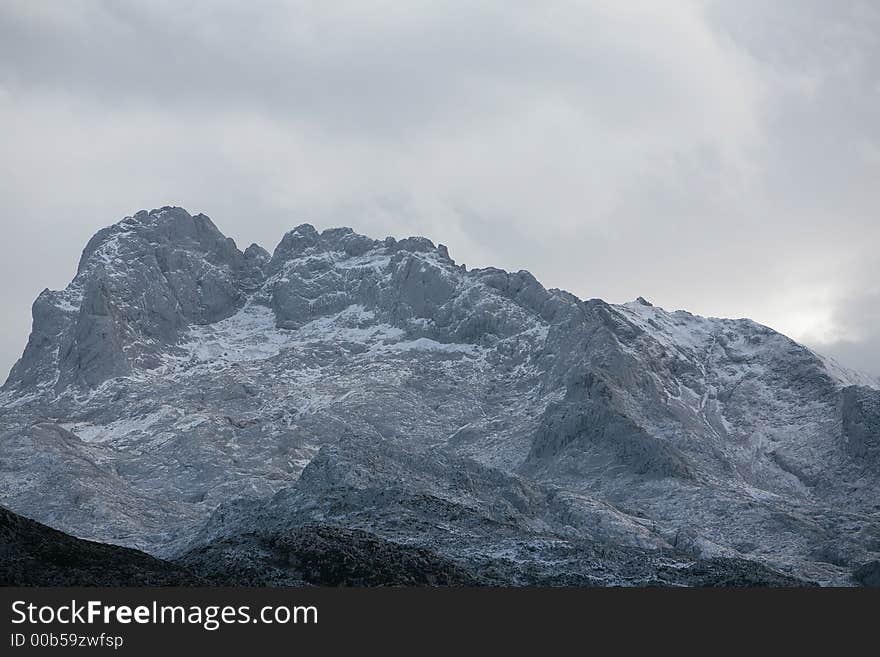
column 433, row 519
column 140, row 283
column 180, row 392
column 592, row 437
column 860, row 416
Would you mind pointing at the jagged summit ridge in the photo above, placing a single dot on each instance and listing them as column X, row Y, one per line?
column 179, row 387
column 144, row 281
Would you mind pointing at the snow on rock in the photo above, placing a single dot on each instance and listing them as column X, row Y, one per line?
column 249, row 334
column 179, row 390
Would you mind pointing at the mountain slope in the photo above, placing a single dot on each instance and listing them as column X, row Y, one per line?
column 500, row 528
column 178, row 378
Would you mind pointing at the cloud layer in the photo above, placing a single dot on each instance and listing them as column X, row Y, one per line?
column 720, row 157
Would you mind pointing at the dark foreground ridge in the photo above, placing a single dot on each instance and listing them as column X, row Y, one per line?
column 322, row 555
column 32, row 554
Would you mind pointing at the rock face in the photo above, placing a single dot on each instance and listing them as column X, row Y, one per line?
column 860, row 415
column 138, row 285
column 351, row 396
column 404, row 510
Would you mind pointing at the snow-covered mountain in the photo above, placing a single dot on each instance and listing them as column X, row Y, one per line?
column 184, row 397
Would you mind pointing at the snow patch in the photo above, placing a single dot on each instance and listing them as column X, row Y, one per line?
column 114, row 431
column 250, row 334
column 426, row 344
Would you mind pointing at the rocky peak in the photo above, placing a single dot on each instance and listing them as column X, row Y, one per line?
column 139, row 284
column 143, row 282
column 305, row 240
column 160, row 231
column 257, row 254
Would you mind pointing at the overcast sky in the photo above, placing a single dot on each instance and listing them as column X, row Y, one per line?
column 722, row 157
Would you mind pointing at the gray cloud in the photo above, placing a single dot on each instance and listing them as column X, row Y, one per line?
column 720, row 157
column 855, row 317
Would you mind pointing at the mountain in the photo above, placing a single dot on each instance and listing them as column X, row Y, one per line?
column 208, row 404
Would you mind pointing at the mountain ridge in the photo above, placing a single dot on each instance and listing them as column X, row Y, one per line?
column 180, row 374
